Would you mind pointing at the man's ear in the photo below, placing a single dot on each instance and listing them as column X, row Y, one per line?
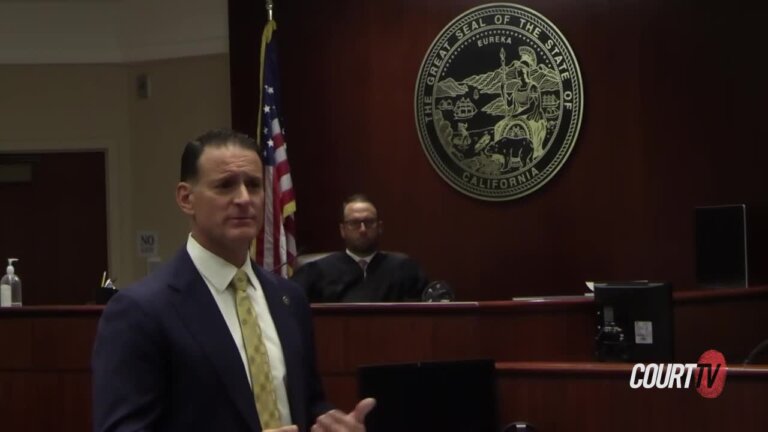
column 184, row 198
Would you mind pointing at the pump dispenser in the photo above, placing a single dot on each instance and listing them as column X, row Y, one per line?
column 10, row 286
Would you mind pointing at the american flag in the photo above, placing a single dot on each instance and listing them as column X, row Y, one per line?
column 276, row 244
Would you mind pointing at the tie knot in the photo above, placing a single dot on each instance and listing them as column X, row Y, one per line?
column 240, row 281
column 363, row 264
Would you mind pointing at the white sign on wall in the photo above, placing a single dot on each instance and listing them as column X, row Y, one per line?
column 147, row 243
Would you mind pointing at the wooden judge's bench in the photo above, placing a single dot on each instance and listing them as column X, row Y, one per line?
column 543, row 350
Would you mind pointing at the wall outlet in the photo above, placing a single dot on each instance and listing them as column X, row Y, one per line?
column 143, row 86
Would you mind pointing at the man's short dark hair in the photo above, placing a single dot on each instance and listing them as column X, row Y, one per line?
column 213, row 138
column 354, row 198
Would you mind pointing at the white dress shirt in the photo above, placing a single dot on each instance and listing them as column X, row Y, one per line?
column 217, row 274
column 367, row 258
column 357, row 259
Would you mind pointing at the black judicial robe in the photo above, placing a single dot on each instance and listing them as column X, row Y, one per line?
column 389, row 277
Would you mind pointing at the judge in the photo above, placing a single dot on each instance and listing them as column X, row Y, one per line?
column 362, row 272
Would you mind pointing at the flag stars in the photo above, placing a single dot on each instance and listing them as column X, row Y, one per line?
column 270, row 143
column 270, row 90
column 266, row 109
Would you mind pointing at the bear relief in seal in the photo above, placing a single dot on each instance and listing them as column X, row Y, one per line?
column 498, row 102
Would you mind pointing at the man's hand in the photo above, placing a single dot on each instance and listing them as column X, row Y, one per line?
column 338, row 421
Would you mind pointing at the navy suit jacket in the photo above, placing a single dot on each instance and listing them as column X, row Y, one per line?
column 164, row 358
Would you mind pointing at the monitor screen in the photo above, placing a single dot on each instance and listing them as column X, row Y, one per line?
column 431, row 396
column 634, row 321
column 721, row 246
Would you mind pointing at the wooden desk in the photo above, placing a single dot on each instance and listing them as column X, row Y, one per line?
column 45, row 354
column 45, row 376
column 732, row 322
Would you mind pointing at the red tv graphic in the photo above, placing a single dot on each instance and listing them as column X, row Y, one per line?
column 712, row 371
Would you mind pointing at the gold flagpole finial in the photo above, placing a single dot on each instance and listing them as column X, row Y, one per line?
column 270, row 5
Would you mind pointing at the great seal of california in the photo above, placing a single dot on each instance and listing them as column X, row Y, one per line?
column 498, row 102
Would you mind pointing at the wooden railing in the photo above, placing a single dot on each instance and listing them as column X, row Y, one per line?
column 543, row 349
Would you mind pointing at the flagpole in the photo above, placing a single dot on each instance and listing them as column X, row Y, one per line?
column 265, row 38
column 269, row 5
column 276, row 244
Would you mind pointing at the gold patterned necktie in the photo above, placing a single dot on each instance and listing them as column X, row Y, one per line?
column 256, row 353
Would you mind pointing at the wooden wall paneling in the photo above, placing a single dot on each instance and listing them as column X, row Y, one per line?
column 668, row 125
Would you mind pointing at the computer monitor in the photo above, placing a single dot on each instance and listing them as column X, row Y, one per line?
column 721, row 247
column 635, row 321
column 443, row 396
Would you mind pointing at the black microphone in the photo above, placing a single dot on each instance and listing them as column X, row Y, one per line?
column 761, row 348
column 278, row 270
column 437, row 292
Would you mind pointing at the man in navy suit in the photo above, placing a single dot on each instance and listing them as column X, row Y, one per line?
column 170, row 353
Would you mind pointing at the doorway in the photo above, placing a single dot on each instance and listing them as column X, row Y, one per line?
column 53, row 218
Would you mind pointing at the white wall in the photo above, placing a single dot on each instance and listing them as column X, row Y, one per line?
column 110, row 31
column 67, row 82
column 160, row 29
column 189, row 96
column 75, row 107
column 58, row 32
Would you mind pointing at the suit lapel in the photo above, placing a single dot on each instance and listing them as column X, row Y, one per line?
column 201, row 315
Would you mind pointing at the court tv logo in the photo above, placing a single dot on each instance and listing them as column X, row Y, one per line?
column 707, row 376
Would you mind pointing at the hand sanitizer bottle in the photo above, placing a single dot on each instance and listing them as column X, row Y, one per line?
column 10, row 286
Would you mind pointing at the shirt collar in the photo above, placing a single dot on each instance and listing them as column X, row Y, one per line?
column 358, row 258
column 214, row 269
